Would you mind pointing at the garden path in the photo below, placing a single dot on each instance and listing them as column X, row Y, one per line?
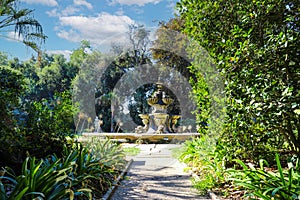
column 156, row 174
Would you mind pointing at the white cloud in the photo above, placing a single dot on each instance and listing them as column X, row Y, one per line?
column 12, row 36
column 83, row 3
column 133, row 2
column 69, row 10
column 52, row 13
column 100, row 30
column 120, row 12
column 66, row 53
column 172, row 6
column 51, row 3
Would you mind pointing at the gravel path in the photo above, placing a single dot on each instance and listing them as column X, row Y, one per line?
column 155, row 174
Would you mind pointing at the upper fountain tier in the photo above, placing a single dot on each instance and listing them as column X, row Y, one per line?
column 159, row 100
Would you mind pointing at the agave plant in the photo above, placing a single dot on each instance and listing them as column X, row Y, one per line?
column 37, row 181
column 108, row 152
column 88, row 171
column 78, row 174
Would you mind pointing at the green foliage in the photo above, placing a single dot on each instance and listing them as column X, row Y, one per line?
column 12, row 86
column 131, row 151
column 53, row 116
column 39, row 180
column 80, row 54
column 267, row 184
column 36, row 108
column 44, row 78
column 108, row 152
column 199, row 155
column 53, row 75
column 40, row 133
column 47, row 125
column 84, row 87
column 3, row 59
column 88, row 171
column 78, row 174
column 255, row 46
column 23, row 23
column 170, row 47
column 202, row 97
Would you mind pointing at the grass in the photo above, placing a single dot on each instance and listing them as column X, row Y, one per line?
column 131, row 151
column 177, row 151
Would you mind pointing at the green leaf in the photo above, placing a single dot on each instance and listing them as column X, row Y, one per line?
column 21, row 194
column 276, row 190
column 280, row 169
column 297, row 111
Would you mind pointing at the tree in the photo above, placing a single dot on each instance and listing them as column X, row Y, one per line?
column 172, row 49
column 169, row 37
column 55, row 77
column 23, row 23
column 3, row 58
column 78, row 55
column 255, row 45
column 126, row 61
column 85, row 87
column 139, row 41
column 12, row 86
column 31, row 124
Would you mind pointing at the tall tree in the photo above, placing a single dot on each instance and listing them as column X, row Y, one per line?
column 78, row 55
column 171, row 50
column 170, row 47
column 139, row 41
column 22, row 22
column 128, row 59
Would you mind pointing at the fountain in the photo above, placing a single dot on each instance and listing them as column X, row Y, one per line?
column 158, row 121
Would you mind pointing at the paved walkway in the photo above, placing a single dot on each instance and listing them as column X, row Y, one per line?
column 155, row 174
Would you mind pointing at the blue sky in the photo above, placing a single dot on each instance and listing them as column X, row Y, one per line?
column 67, row 22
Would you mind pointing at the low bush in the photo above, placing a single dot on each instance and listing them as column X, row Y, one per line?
column 40, row 130
column 37, row 181
column 78, row 174
column 267, row 183
column 89, row 170
column 108, row 152
column 199, row 155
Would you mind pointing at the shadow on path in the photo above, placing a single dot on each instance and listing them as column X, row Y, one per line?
column 155, row 174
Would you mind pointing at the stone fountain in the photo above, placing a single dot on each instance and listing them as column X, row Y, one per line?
column 158, row 121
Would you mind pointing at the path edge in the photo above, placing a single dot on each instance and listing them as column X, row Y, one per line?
column 111, row 191
column 212, row 195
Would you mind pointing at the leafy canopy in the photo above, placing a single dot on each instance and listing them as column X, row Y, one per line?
column 255, row 44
